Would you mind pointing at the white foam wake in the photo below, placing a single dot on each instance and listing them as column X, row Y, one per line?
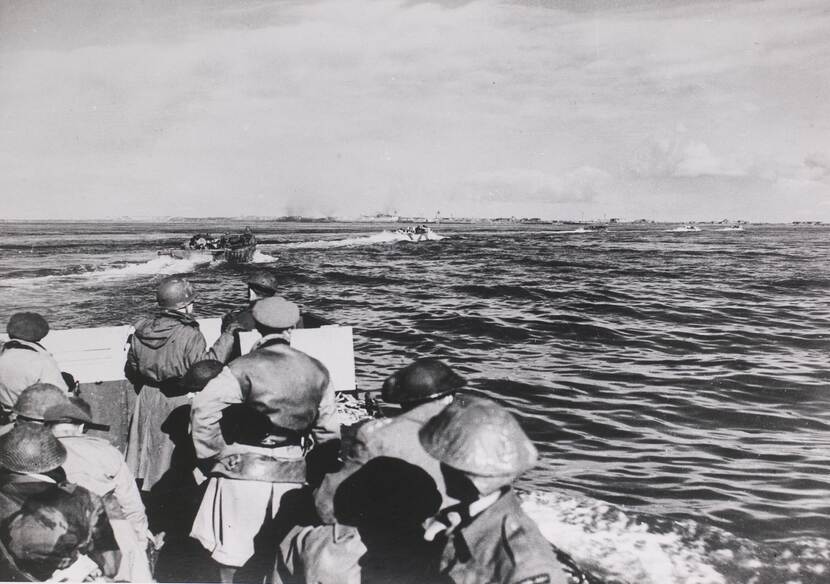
column 684, row 229
column 158, row 265
column 618, row 547
column 263, row 258
column 385, row 237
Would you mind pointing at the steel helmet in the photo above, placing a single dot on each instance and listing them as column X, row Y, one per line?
column 31, row 448
column 421, row 380
column 36, row 399
column 264, row 282
column 175, row 292
column 27, row 326
column 479, row 437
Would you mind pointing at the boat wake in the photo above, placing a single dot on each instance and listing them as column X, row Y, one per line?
column 263, row 258
column 580, row 230
column 684, row 229
column 385, row 237
column 158, row 265
column 617, row 546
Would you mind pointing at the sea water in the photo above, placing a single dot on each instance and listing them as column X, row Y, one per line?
column 675, row 383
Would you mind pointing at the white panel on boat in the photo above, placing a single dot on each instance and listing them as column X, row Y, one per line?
column 99, row 354
column 90, row 354
column 333, row 346
column 211, row 328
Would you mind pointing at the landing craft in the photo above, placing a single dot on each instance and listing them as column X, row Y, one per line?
column 96, row 358
column 235, row 248
column 600, row 542
column 417, row 234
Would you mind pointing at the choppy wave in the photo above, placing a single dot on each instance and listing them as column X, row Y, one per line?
column 678, row 384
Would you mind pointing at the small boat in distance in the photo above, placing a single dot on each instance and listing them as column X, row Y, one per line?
column 234, row 248
column 685, row 228
column 418, row 233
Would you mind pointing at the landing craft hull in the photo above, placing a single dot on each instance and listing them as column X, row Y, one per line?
column 238, row 255
column 96, row 358
column 598, row 536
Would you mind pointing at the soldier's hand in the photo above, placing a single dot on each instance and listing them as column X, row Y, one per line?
column 230, row 323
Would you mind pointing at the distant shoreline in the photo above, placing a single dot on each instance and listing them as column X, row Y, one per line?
column 405, row 221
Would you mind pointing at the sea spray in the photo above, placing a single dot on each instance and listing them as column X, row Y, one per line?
column 263, row 258
column 157, row 265
column 624, row 547
column 375, row 239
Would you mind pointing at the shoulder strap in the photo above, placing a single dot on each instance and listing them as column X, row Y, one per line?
column 15, row 344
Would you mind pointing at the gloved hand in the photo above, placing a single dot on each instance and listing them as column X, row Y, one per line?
column 233, row 327
column 230, row 320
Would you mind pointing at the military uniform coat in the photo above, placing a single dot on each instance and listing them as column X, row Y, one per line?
column 98, row 466
column 501, row 545
column 162, row 349
column 387, row 487
column 22, row 364
column 388, row 437
column 292, row 392
column 46, row 525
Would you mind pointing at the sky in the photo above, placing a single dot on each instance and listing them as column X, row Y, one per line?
column 667, row 110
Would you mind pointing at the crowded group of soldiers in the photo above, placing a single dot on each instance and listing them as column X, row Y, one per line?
column 244, row 459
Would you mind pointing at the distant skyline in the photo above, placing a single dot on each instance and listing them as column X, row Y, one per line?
column 673, row 110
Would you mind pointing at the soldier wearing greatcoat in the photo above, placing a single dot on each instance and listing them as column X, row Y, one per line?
column 283, row 394
column 162, row 349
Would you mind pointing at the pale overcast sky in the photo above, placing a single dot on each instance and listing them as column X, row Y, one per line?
column 560, row 109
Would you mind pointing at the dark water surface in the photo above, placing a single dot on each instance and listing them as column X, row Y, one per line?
column 681, row 377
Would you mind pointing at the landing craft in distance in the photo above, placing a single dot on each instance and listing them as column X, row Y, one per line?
column 234, row 248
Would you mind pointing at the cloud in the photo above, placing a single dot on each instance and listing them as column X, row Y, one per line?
column 354, row 106
column 521, row 185
column 685, row 158
column 812, row 174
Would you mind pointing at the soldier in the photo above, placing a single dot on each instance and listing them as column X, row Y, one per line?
column 253, row 472
column 96, row 465
column 482, row 450
column 35, row 400
column 388, row 485
column 264, row 284
column 47, row 524
column 24, row 361
column 162, row 349
column 423, row 388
